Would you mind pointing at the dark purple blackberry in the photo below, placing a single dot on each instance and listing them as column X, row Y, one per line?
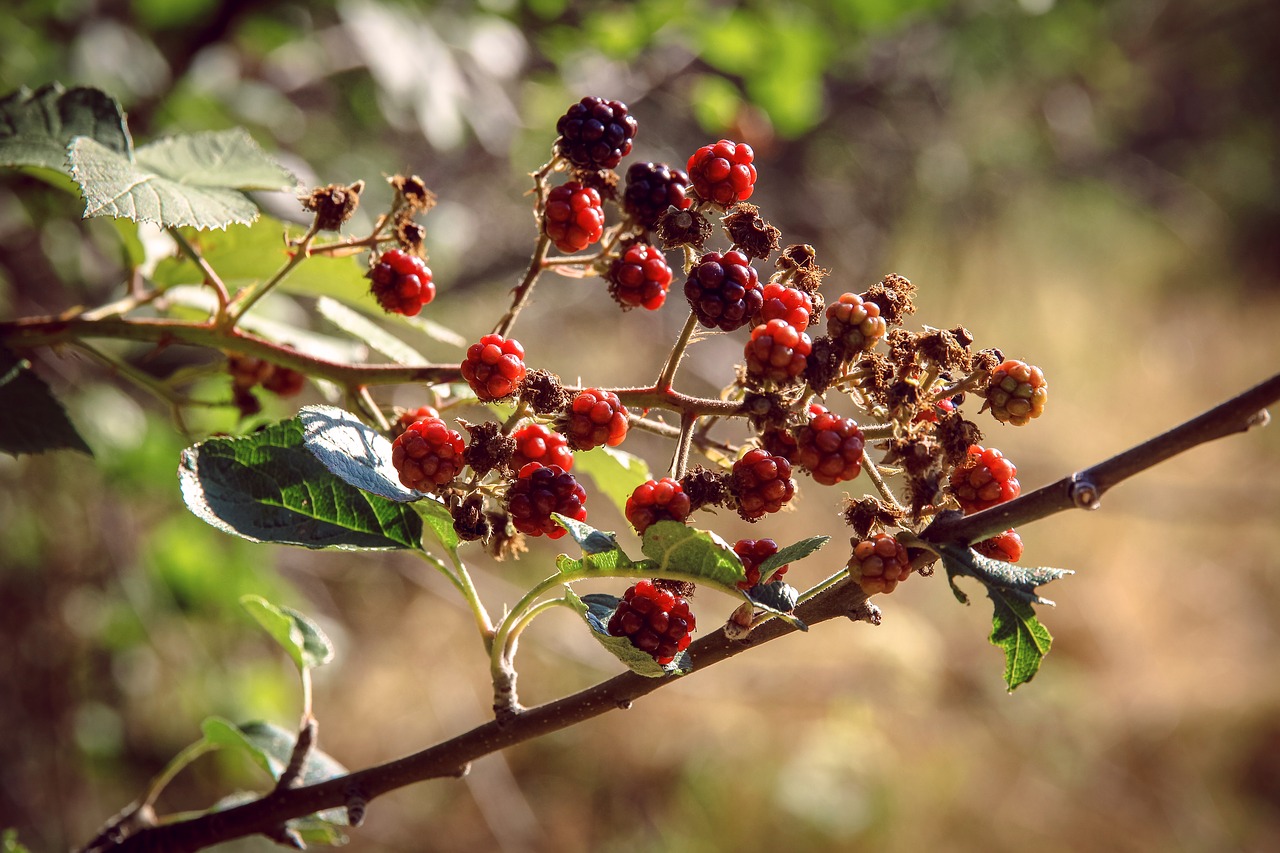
column 724, row 290
column 595, row 133
column 540, row 490
column 651, row 189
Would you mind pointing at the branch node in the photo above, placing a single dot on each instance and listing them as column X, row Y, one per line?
column 301, row 750
column 286, row 837
column 864, row 611
column 1085, row 495
column 738, row 627
column 1258, row 419
column 462, row 771
column 356, row 805
column 623, row 704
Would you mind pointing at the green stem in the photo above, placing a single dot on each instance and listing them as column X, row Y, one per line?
column 520, row 296
column 175, row 766
column 248, row 297
column 668, row 373
column 680, row 459
column 211, row 278
column 483, row 621
column 881, row 486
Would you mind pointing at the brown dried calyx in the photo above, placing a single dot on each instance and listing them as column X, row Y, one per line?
column 799, row 262
column 946, row 348
column 333, row 204
column 542, row 392
column 894, row 295
column 488, row 448
column 750, row 232
column 413, row 192
column 676, row 228
column 470, row 521
column 869, row 514
column 704, row 488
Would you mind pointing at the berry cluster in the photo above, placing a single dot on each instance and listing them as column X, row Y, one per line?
column 829, row 447
column 494, row 367
column 985, row 478
column 761, row 483
column 1016, row 392
column 879, row 563
column 753, row 552
column 574, row 217
column 640, row 276
column 595, row 418
column 1006, row 546
column 652, row 188
column 722, row 172
column 657, row 500
column 247, row 371
column 724, row 290
column 537, row 443
column 656, row 621
column 540, row 490
column 855, row 324
column 401, row 283
column 777, row 352
column 595, row 133
column 427, row 455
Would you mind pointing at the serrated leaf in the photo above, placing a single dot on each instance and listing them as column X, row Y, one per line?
column 271, row 747
column 196, row 180
column 590, row 540
column 793, row 553
column 296, row 633
column 615, row 473
column 595, row 610
column 364, row 329
column 268, row 487
column 778, row 597
column 37, row 127
column 600, row 550
column 1015, row 628
column 31, row 418
column 1018, row 581
column 700, row 555
column 355, row 452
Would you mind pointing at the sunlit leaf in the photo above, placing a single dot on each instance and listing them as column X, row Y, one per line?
column 354, row 451
column 1015, row 628
column 296, row 633
column 699, row 555
column 37, row 127
column 31, row 418
column 615, row 473
column 595, row 610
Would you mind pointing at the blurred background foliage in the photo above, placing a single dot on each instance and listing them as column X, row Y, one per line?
column 1091, row 186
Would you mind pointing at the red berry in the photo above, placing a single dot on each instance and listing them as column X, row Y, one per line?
column 247, row 371
column 595, row 418
column 777, row 352
column 408, row 418
column 402, row 283
column 722, row 172
column 595, row 133
column 540, row 490
column 640, row 276
column 761, row 482
column 753, row 552
column 427, row 455
column 651, row 189
column 1006, row 546
column 985, row 478
column 855, row 324
column 657, row 500
column 724, row 290
column 1017, row 392
column 939, row 408
column 785, row 303
column 879, row 563
column 494, row 367
column 829, row 447
column 537, row 443
column 656, row 621
column 574, row 217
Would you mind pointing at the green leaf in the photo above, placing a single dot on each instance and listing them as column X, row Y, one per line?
column 360, row 327
column 9, row 842
column 699, row 555
column 776, row 597
column 792, row 553
column 353, row 451
column 37, row 127
column 439, row 523
column 271, row 747
column 267, row 487
column 297, row 634
column 616, row 473
column 196, row 180
column 1017, row 581
column 595, row 610
column 1015, row 628
column 590, row 540
column 31, row 418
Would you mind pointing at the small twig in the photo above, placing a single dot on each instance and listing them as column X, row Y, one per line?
column 668, row 374
column 301, row 752
column 873, row 471
column 211, row 277
column 249, row 297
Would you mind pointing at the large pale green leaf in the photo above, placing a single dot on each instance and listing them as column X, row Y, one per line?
column 296, row 633
column 616, row 473
column 37, row 127
column 595, row 610
column 197, row 180
column 700, row 555
column 355, row 452
column 31, row 418
column 267, row 487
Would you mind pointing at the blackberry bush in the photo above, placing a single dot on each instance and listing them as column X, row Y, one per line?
column 753, row 552
column 1017, row 392
column 879, row 563
column 985, row 478
column 574, row 217
column 651, row 188
column 640, row 277
column 595, row 418
column 855, row 324
column 829, row 447
column 761, row 483
column 777, row 352
column 428, row 455
column 537, row 443
column 657, row 500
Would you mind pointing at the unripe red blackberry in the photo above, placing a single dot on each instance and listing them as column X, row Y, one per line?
column 753, row 552
column 494, row 367
column 595, row 418
column 761, row 483
column 401, row 282
column 427, row 455
column 1005, row 546
column 855, row 324
column 724, row 290
column 651, row 189
column 829, row 447
column 574, row 217
column 540, row 490
column 247, row 371
column 985, row 478
column 656, row 621
column 879, row 563
column 941, row 407
column 595, row 133
column 784, row 303
column 537, row 443
column 777, row 352
column 1017, row 392
column 410, row 416
column 723, row 172
column 657, row 500
column 640, row 276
